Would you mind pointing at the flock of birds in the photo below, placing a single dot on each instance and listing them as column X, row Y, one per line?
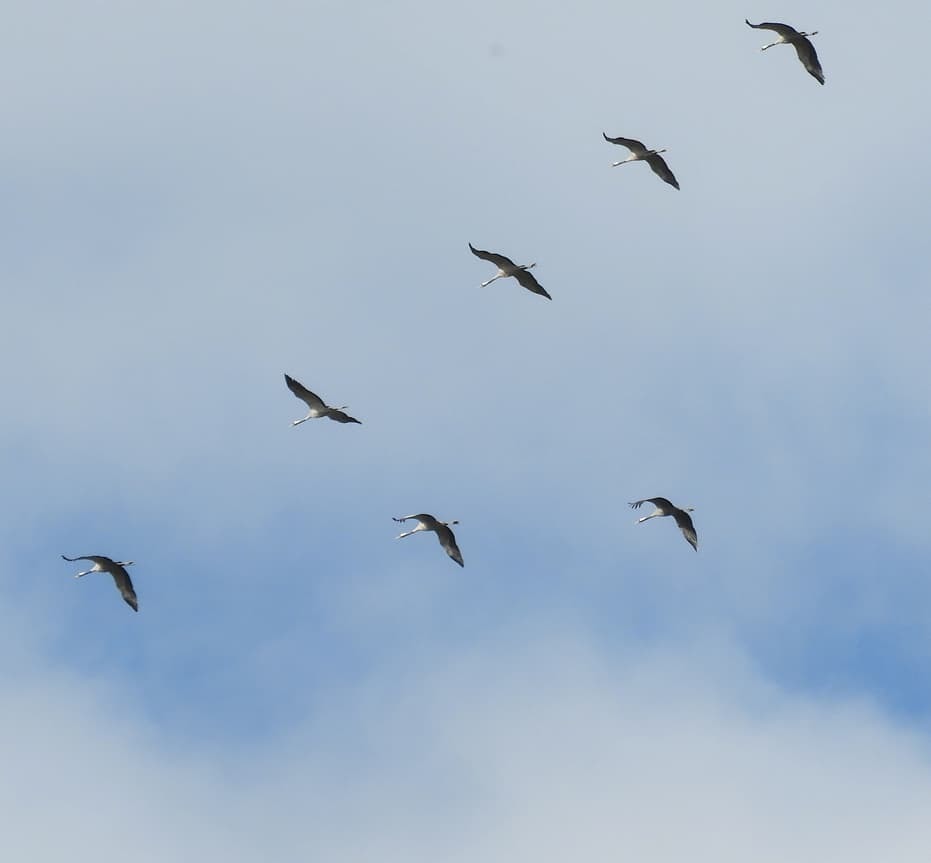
column 318, row 409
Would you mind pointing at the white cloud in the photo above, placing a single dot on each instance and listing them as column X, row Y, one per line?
column 200, row 199
column 535, row 744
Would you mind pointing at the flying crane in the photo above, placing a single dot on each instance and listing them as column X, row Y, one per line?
column 638, row 152
column 440, row 528
column 507, row 267
column 317, row 407
column 116, row 569
column 682, row 517
column 803, row 47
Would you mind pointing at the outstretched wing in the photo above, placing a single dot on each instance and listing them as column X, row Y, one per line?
column 341, row 417
column 660, row 502
column 783, row 30
column 312, row 400
column 91, row 558
column 528, row 280
column 633, row 145
column 448, row 541
column 125, row 585
column 809, row 57
column 499, row 261
column 661, row 169
column 684, row 520
column 421, row 516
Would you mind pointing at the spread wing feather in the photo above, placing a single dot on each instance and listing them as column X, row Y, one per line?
column 499, row 261
column 809, row 57
column 684, row 521
column 783, row 30
column 125, row 586
column 528, row 280
column 312, row 400
column 448, row 541
column 661, row 169
column 660, row 502
column 632, row 144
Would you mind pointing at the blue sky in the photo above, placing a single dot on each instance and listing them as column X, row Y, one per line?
column 198, row 198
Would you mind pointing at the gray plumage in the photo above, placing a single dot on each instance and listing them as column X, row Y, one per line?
column 116, row 568
column 803, row 47
column 665, row 507
column 506, row 267
column 425, row 521
column 638, row 152
column 316, row 406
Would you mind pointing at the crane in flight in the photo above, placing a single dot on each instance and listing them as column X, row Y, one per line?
column 682, row 517
column 116, row 569
column 640, row 153
column 440, row 528
column 507, row 267
column 790, row 36
column 317, row 407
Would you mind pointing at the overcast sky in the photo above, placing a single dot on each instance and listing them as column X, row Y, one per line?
column 199, row 197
